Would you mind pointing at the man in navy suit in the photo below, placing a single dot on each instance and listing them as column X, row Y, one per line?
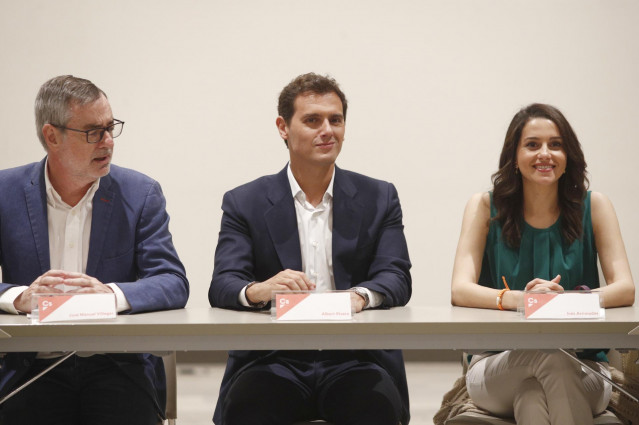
column 73, row 222
column 312, row 226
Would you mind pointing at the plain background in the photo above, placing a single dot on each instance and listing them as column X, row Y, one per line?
column 432, row 86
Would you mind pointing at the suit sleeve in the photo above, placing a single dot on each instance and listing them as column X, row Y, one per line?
column 162, row 282
column 234, row 260
column 389, row 271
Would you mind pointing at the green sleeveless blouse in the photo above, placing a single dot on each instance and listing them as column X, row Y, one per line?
column 542, row 253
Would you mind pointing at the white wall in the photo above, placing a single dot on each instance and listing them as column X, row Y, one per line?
column 432, row 86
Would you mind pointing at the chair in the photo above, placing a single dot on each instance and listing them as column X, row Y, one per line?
column 171, row 387
column 625, row 371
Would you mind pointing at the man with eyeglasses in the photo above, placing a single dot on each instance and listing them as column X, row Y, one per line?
column 76, row 223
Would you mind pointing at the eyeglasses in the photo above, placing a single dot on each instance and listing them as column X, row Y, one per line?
column 95, row 135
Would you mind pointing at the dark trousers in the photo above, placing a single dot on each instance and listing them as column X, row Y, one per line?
column 80, row 391
column 306, row 385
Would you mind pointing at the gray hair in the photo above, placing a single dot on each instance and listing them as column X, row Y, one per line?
column 54, row 99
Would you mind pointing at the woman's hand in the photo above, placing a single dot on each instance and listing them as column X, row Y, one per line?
column 539, row 285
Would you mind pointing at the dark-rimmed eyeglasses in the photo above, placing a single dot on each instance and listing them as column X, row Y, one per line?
column 95, row 135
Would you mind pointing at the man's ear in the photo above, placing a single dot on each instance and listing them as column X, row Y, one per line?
column 282, row 128
column 50, row 136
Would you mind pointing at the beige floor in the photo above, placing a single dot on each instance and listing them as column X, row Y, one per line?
column 198, row 386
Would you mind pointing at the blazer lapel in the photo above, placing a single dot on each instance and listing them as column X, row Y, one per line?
column 103, row 201
column 347, row 220
column 281, row 222
column 35, row 194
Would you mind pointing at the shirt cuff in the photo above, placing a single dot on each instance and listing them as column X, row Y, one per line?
column 375, row 299
column 9, row 296
column 242, row 298
column 121, row 303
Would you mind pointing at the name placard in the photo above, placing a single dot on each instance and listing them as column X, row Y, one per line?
column 67, row 307
column 565, row 305
column 315, row 306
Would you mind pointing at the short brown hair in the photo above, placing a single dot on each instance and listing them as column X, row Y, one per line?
column 307, row 83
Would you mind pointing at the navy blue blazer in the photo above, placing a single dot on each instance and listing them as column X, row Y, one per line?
column 130, row 245
column 259, row 238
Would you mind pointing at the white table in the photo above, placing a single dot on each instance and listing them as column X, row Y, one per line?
column 208, row 329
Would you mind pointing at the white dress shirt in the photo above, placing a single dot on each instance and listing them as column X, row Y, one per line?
column 69, row 234
column 315, row 228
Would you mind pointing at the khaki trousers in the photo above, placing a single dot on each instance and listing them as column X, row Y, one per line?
column 538, row 387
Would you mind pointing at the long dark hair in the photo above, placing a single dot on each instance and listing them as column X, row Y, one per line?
column 507, row 182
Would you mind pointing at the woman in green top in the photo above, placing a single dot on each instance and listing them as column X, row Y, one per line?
column 539, row 229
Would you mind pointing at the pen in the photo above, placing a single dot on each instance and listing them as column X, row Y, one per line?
column 505, row 284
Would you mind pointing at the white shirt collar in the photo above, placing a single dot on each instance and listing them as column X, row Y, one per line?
column 299, row 194
column 55, row 199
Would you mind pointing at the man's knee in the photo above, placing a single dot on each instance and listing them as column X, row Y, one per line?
column 261, row 397
column 363, row 397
